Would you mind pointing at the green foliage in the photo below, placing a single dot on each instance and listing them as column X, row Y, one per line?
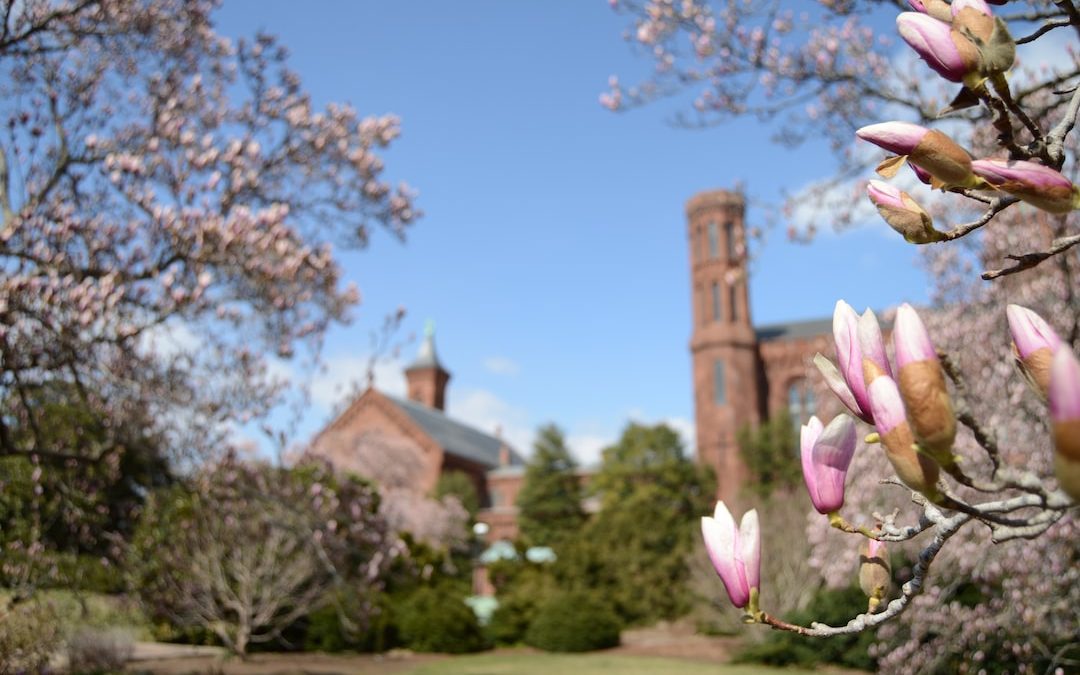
column 458, row 484
column 634, row 551
column 549, row 504
column 56, row 509
column 522, row 588
column 834, row 607
column 574, row 622
column 436, row 619
column 29, row 634
column 770, row 452
column 348, row 623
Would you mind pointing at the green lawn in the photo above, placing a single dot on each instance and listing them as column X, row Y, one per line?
column 585, row 664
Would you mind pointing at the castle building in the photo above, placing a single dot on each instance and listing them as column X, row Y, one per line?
column 742, row 374
column 411, row 442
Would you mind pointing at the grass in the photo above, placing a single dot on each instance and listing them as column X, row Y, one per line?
column 586, row 664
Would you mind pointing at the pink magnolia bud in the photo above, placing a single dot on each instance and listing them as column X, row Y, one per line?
column 948, row 164
column 922, row 386
column 903, row 213
column 835, row 381
column 916, row 470
column 1064, row 399
column 1034, row 344
column 875, row 362
column 946, row 51
column 735, row 553
column 1036, row 184
column 875, row 572
column 848, row 354
column 826, row 455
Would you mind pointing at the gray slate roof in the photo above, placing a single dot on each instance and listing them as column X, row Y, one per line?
column 794, row 330
column 455, row 437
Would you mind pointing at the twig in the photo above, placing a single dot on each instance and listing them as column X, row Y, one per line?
column 1043, row 30
column 1055, row 140
column 1028, row 260
column 997, row 205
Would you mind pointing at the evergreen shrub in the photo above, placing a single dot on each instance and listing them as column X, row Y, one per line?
column 574, row 622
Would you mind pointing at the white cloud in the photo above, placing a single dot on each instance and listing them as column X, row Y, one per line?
column 501, row 365
column 487, row 412
column 342, row 375
column 587, row 448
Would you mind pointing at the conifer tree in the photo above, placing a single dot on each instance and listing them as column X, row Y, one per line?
column 549, row 504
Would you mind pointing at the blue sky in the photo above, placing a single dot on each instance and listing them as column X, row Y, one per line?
column 552, row 256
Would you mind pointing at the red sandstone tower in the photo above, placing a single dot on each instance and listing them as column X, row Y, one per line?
column 727, row 391
column 426, row 377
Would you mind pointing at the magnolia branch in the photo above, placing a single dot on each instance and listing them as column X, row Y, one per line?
column 1026, row 261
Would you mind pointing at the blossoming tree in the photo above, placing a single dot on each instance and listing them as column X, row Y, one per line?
column 168, row 203
column 988, row 459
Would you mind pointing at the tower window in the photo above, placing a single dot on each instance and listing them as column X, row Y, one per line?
column 714, row 241
column 734, row 306
column 729, row 234
column 698, row 245
column 801, row 402
column 715, row 301
column 719, row 385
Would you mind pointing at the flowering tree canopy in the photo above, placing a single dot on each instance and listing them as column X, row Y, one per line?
column 168, row 199
column 980, row 431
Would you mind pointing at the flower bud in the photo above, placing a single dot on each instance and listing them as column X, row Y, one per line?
column 735, row 553
column 1036, row 184
column 826, row 455
column 948, row 164
column 875, row 572
column 945, row 50
column 922, row 386
column 1034, row 344
column 915, row 469
column 1064, row 399
column 875, row 362
column 903, row 213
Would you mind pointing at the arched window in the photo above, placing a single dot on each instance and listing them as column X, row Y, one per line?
column 714, row 241
column 715, row 301
column 800, row 402
column 729, row 235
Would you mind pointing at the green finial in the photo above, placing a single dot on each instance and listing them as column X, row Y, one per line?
column 429, row 328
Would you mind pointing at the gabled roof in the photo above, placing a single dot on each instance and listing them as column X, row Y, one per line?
column 457, row 438
column 794, row 330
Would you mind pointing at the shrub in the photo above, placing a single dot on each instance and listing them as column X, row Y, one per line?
column 438, row 620
column 574, row 622
column 350, row 624
column 91, row 650
column 525, row 587
column 834, row 607
column 29, row 633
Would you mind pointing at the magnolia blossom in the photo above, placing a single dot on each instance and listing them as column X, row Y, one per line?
column 1064, row 399
column 735, row 553
column 947, row 163
column 847, row 382
column 1034, row 183
column 875, row 572
column 915, row 469
column 1034, row 344
column 922, row 386
column 826, row 454
column 945, row 50
column 902, row 213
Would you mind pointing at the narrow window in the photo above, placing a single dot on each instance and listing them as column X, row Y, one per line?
column 719, row 386
column 715, row 301
column 698, row 236
column 702, row 308
column 714, row 243
column 801, row 402
column 729, row 234
column 734, row 306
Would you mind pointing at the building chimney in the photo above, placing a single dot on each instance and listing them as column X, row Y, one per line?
column 426, row 377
